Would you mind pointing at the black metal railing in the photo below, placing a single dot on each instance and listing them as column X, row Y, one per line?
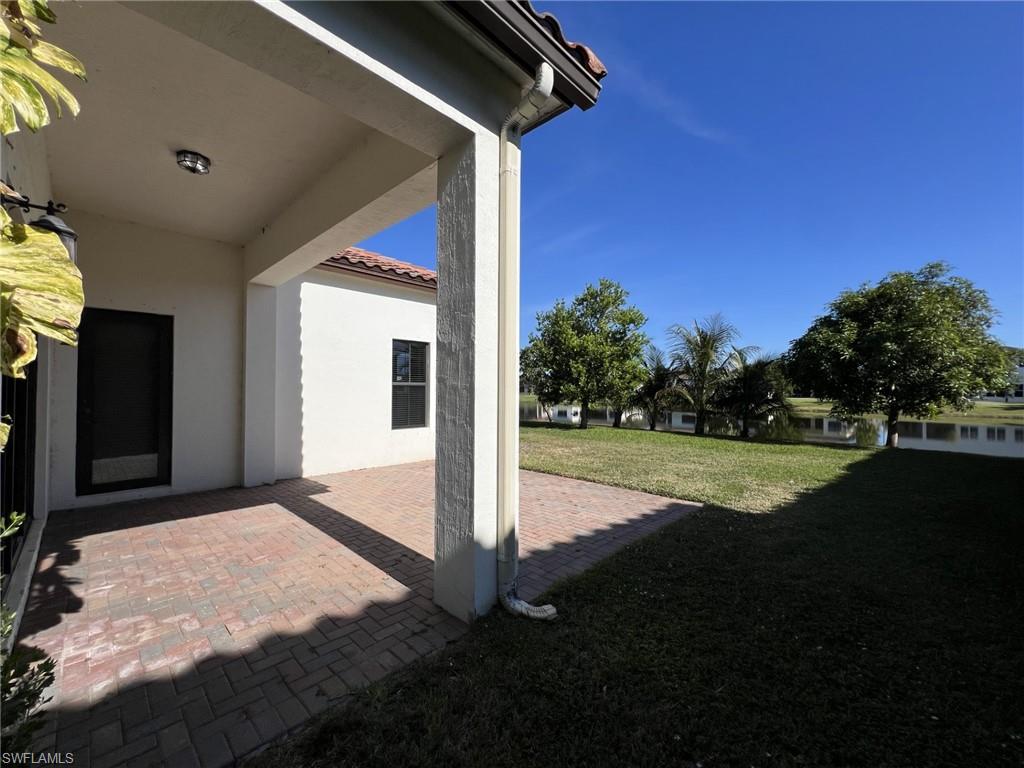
column 17, row 481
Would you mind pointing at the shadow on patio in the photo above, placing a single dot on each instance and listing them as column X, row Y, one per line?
column 873, row 619
column 192, row 629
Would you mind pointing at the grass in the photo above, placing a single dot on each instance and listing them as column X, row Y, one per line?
column 983, row 411
column 828, row 607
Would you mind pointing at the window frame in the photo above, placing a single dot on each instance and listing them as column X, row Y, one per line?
column 425, row 383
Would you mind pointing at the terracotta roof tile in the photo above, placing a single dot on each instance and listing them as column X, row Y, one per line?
column 368, row 262
column 582, row 52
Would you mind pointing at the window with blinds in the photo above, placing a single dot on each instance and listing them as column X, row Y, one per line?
column 408, row 384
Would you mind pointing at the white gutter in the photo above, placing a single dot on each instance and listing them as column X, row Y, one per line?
column 508, row 348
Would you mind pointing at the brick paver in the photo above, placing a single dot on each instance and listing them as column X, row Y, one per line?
column 190, row 630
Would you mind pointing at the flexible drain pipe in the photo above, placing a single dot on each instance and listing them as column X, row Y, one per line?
column 508, row 349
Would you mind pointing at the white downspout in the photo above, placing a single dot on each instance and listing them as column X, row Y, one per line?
column 508, row 349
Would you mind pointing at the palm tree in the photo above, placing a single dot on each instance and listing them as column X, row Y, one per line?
column 700, row 360
column 657, row 385
column 755, row 388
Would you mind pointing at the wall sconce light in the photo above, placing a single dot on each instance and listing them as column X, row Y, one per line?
column 59, row 227
column 49, row 221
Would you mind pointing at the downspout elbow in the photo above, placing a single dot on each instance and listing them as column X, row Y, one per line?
column 515, row 605
column 533, row 101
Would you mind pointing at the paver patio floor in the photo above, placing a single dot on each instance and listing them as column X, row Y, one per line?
column 190, row 630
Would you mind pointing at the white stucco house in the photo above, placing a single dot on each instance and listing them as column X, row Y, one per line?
column 1015, row 394
column 230, row 338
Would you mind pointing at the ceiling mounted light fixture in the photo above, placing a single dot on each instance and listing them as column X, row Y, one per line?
column 193, row 162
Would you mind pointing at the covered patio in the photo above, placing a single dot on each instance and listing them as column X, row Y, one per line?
column 190, row 630
column 311, row 127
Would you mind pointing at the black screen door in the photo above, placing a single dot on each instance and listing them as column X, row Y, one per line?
column 124, row 400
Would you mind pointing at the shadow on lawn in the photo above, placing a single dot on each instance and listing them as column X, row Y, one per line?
column 130, row 654
column 874, row 621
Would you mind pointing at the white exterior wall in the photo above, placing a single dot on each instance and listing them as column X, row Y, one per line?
column 135, row 268
column 572, row 414
column 334, row 334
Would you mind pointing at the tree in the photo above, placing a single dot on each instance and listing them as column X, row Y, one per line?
column 655, row 391
column 913, row 344
column 587, row 351
column 700, row 360
column 754, row 389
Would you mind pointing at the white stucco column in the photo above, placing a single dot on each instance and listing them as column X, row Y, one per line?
column 465, row 528
column 260, row 384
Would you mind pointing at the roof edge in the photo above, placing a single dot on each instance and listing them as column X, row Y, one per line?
column 378, row 274
column 376, row 265
column 528, row 37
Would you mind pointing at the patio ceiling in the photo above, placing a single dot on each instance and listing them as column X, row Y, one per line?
column 152, row 91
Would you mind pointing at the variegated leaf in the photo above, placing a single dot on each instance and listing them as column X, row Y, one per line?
column 25, row 99
column 37, row 9
column 47, row 53
column 8, row 121
column 16, row 61
column 40, row 292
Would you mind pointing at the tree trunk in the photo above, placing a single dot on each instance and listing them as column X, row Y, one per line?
column 584, row 415
column 745, row 428
column 617, row 421
column 892, row 437
column 698, row 423
column 652, row 420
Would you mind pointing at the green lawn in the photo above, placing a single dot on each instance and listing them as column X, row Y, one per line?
column 828, row 607
column 983, row 411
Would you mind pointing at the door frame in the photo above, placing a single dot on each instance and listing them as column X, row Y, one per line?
column 164, row 325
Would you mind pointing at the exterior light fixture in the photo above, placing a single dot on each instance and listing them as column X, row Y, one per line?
column 48, row 222
column 57, row 225
column 193, row 162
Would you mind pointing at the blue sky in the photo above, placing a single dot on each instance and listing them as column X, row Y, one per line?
column 756, row 159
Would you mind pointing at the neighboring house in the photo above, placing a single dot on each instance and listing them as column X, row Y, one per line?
column 564, row 414
column 1016, row 393
column 225, row 342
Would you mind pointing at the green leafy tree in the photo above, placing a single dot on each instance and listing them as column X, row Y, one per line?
column 588, row 351
column 913, row 344
column 754, row 389
column 657, row 388
column 700, row 360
